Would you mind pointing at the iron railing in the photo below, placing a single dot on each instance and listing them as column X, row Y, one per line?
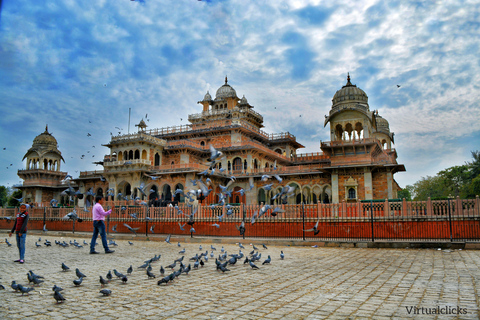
column 442, row 220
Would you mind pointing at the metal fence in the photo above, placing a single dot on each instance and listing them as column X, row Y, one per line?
column 443, row 220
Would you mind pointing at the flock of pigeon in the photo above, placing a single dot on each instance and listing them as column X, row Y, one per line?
column 224, row 262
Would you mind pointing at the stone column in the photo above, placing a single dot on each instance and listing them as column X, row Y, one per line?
column 367, row 177
column 390, row 185
column 335, row 198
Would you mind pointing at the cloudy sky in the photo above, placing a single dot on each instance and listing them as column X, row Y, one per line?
column 79, row 66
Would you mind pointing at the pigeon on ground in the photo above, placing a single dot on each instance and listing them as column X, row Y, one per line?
column 253, row 265
column 103, row 282
column 26, row 290
column 14, row 286
column 64, row 267
column 130, row 270
column 124, row 279
column 282, row 255
column 267, row 260
column 56, row 288
column 150, row 275
column 117, row 274
column 77, row 282
column 79, row 274
column 106, row 292
column 58, row 296
column 109, row 275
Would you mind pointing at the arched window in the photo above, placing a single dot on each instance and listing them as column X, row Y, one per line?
column 255, row 164
column 229, row 166
column 266, row 165
column 359, row 130
column 261, row 196
column 137, row 154
column 167, row 193
column 245, row 165
column 157, row 159
column 237, row 164
column 144, row 154
column 338, row 132
column 128, row 190
column 130, row 155
column 179, row 197
column 153, row 195
column 202, row 143
column 125, row 155
column 349, row 130
column 120, row 156
column 351, row 193
column 278, row 151
column 384, row 142
column 100, row 192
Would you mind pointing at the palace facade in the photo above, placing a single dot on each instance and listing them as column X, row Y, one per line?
column 358, row 163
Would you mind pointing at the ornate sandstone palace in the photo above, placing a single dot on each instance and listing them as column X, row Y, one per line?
column 358, row 163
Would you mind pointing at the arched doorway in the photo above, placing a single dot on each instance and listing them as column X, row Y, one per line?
column 167, row 193
column 179, row 197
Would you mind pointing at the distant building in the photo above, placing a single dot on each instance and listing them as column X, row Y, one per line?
column 357, row 163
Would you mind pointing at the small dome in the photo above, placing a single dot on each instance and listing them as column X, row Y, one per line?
column 349, row 93
column 244, row 100
column 382, row 124
column 207, row 97
column 45, row 138
column 225, row 91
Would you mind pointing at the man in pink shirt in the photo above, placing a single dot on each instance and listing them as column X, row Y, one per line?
column 99, row 225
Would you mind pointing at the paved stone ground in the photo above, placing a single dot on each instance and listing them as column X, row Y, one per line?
column 311, row 283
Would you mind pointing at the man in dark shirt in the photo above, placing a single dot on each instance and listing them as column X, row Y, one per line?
column 20, row 228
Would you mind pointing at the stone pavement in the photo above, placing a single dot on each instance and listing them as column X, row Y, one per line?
column 311, row 283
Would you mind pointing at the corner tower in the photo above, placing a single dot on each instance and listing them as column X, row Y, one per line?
column 42, row 176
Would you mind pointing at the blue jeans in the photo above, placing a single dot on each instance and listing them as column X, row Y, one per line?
column 99, row 227
column 21, row 245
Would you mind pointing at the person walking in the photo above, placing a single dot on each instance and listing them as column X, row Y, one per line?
column 99, row 225
column 20, row 228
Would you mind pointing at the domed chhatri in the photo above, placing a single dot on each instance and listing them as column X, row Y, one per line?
column 42, row 176
column 45, row 138
column 44, row 148
column 348, row 94
column 225, row 91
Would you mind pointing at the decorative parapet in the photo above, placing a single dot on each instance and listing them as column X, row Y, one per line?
column 135, row 137
column 127, row 162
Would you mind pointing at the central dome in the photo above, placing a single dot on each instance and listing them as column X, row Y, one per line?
column 349, row 93
column 45, row 138
column 225, row 91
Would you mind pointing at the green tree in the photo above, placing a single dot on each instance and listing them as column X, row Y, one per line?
column 406, row 193
column 475, row 164
column 454, row 179
column 3, row 196
column 432, row 187
column 12, row 200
